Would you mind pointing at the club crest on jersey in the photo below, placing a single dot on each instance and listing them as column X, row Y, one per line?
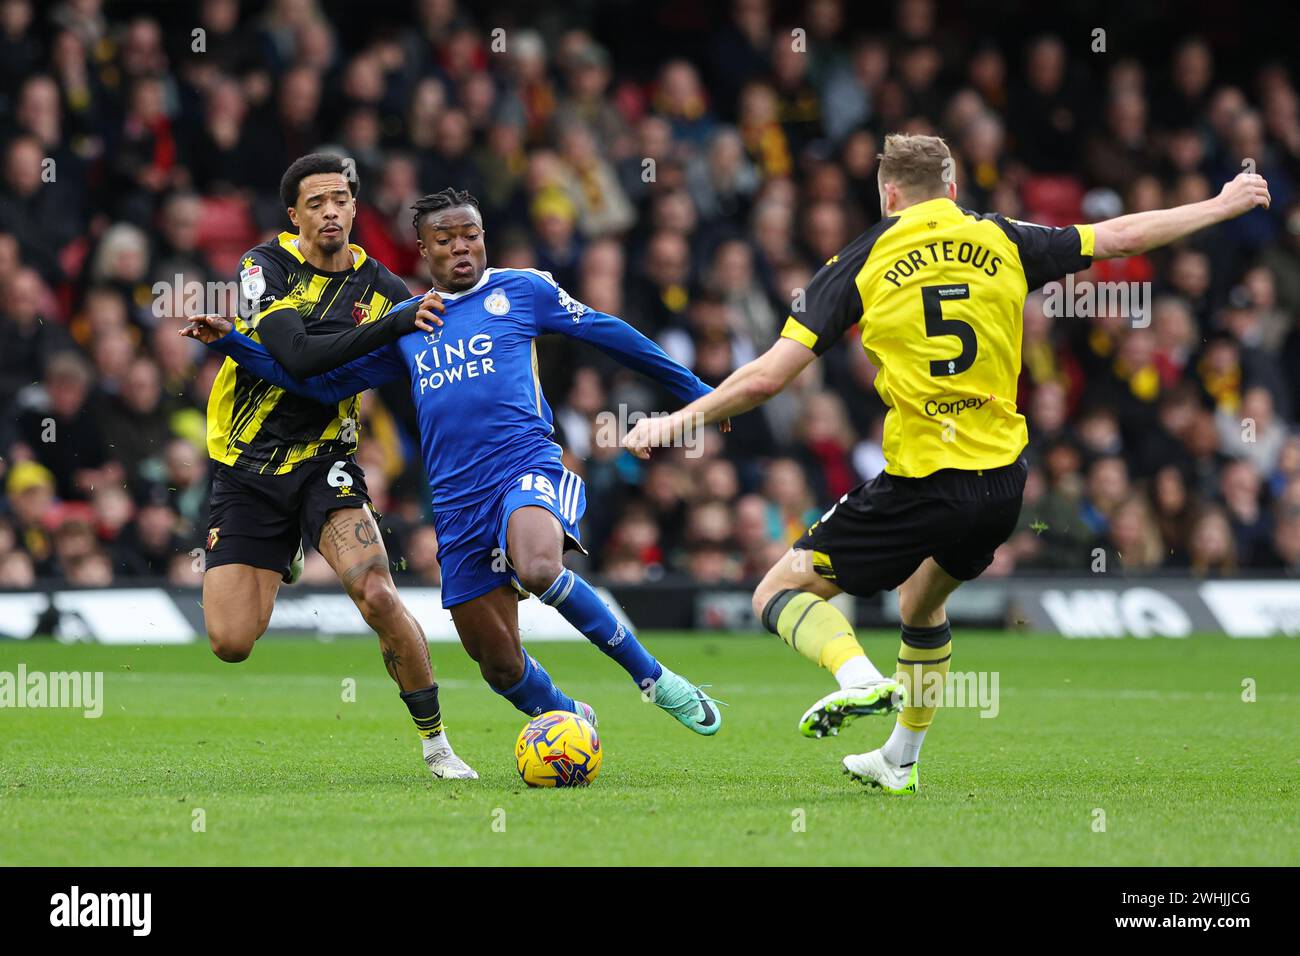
column 251, row 281
column 360, row 312
column 214, row 535
column 497, row 303
column 571, row 305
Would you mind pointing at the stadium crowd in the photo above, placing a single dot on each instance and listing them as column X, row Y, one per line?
column 693, row 199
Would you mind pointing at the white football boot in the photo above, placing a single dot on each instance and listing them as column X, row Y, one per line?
column 443, row 762
column 875, row 770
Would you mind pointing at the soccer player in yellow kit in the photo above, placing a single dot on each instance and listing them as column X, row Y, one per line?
column 939, row 293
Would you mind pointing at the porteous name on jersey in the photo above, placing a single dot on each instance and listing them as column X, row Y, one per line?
column 969, row 253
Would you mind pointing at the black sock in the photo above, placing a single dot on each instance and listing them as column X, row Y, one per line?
column 423, row 705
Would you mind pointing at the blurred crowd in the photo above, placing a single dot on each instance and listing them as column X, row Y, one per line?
column 692, row 195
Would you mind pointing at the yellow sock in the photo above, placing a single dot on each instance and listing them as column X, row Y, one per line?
column 813, row 628
column 923, row 659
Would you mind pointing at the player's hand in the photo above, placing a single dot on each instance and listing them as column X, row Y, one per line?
column 207, row 328
column 427, row 315
column 724, row 425
column 645, row 434
column 1244, row 193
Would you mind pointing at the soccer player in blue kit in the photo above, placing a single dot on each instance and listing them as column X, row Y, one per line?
column 505, row 507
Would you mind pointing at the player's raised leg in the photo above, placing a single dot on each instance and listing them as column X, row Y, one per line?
column 237, row 603
column 488, row 626
column 535, row 545
column 791, row 601
column 351, row 543
column 923, row 659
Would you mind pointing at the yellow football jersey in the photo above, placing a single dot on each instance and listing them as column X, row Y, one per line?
column 940, row 295
column 259, row 427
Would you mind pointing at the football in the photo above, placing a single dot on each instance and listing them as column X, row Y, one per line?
column 558, row 749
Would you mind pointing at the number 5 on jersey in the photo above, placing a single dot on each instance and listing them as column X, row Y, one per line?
column 932, row 298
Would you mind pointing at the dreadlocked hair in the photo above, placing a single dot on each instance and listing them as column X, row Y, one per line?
column 436, row 202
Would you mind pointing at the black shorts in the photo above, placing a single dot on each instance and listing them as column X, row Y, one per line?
column 880, row 532
column 259, row 520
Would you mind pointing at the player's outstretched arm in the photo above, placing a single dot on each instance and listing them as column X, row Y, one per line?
column 747, row 387
column 633, row 350
column 556, row 311
column 1142, row 231
column 285, row 336
column 369, row 371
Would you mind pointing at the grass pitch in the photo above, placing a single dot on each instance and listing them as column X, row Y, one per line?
column 1150, row 737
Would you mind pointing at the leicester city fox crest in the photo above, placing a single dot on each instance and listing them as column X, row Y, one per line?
column 497, row 303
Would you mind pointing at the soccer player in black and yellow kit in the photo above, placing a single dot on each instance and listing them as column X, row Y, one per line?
column 283, row 465
column 939, row 295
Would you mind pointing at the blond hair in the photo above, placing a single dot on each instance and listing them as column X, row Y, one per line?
column 920, row 166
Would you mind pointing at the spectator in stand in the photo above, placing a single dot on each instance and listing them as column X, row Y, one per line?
column 696, row 205
column 55, row 425
column 791, row 507
column 30, row 490
column 1210, row 545
column 29, row 342
column 1251, row 522
column 1172, row 509
column 36, row 207
column 1133, row 536
column 134, row 423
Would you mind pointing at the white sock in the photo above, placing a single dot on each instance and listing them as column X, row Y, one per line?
column 857, row 672
column 435, row 745
column 903, row 746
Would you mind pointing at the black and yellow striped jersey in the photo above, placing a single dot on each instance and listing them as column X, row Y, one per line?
column 258, row 427
column 940, row 295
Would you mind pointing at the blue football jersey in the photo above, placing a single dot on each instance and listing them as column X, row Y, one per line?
column 474, row 381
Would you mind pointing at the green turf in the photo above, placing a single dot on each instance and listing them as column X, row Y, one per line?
column 1154, row 733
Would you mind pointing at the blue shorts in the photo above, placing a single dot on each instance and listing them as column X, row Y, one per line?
column 472, row 540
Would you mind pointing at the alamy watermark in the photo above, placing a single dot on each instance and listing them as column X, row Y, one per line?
column 179, row 297
column 76, row 908
column 74, row 690
column 1087, row 300
column 976, row 689
column 688, row 433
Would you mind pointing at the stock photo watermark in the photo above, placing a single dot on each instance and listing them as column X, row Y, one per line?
column 53, row 690
column 686, row 433
column 1083, row 299
column 77, row 908
column 979, row 690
